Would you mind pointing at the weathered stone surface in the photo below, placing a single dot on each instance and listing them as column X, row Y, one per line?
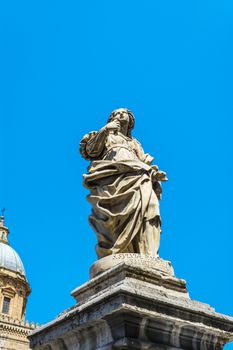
column 145, row 261
column 134, row 275
column 129, row 307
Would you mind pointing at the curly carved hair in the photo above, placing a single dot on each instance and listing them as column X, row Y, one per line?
column 131, row 118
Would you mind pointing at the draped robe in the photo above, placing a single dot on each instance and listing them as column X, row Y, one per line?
column 125, row 207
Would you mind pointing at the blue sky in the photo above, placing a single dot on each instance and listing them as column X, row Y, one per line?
column 64, row 66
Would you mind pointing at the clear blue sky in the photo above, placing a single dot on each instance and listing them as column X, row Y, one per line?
column 64, row 66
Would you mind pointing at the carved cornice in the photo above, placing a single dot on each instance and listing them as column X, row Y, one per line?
column 14, row 281
column 12, row 326
column 12, row 329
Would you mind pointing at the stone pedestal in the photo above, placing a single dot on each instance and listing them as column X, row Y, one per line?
column 136, row 304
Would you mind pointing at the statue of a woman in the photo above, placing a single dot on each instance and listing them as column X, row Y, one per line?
column 124, row 189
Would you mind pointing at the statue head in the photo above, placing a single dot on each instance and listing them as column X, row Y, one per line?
column 123, row 115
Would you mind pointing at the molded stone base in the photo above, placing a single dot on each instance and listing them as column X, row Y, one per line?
column 130, row 307
column 145, row 261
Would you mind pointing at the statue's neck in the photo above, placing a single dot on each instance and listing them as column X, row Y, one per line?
column 124, row 130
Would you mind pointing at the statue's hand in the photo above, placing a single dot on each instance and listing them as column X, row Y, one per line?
column 155, row 167
column 160, row 176
column 115, row 125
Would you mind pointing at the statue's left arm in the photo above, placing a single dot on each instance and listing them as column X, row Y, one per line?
column 157, row 175
column 142, row 156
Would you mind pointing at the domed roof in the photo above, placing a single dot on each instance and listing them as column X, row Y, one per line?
column 9, row 259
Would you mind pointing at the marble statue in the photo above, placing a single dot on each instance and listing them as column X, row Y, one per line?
column 125, row 189
column 133, row 299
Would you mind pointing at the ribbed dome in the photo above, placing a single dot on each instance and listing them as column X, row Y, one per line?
column 9, row 259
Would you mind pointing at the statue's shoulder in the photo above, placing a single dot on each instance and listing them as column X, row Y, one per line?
column 83, row 144
column 136, row 142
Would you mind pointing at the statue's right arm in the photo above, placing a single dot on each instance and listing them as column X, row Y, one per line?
column 96, row 144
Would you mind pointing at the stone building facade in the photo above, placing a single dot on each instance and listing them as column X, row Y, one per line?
column 14, row 291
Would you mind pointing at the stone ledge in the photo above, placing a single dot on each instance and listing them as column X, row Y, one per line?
column 126, row 272
column 131, row 318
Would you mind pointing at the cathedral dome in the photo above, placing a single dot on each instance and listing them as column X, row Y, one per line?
column 10, row 260
column 14, row 291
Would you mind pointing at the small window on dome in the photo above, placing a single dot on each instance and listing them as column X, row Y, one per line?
column 6, row 305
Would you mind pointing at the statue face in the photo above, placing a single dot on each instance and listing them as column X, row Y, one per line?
column 123, row 117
